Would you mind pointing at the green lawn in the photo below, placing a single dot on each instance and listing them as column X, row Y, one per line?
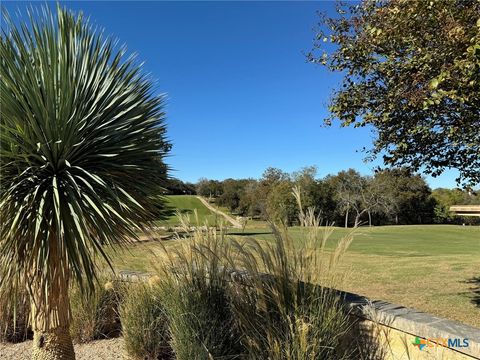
column 399, row 241
column 433, row 268
column 186, row 205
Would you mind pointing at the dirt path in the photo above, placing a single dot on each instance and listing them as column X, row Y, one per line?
column 230, row 219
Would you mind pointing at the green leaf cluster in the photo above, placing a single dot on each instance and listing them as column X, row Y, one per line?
column 411, row 70
column 82, row 146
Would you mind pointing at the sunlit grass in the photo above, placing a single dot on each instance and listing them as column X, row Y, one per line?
column 431, row 268
column 186, row 205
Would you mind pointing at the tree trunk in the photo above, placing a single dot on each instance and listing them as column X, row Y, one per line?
column 51, row 311
column 54, row 344
column 369, row 218
column 357, row 220
column 359, row 216
column 346, row 217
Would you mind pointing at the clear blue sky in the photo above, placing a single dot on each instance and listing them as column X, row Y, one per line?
column 241, row 96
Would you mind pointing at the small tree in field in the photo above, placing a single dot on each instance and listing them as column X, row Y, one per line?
column 82, row 148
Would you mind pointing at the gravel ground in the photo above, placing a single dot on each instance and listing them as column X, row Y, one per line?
column 110, row 349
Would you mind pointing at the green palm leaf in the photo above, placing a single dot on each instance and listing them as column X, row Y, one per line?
column 82, row 147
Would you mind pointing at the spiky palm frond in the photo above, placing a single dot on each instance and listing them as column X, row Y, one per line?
column 82, row 145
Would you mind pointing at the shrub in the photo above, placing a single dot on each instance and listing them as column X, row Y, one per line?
column 144, row 322
column 14, row 315
column 197, row 299
column 282, row 305
column 292, row 313
column 95, row 313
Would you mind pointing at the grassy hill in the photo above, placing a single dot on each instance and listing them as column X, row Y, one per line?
column 186, row 204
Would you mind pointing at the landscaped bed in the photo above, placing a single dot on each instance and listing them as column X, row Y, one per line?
column 190, row 303
column 191, row 307
column 433, row 268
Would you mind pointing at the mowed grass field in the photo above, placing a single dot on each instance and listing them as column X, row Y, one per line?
column 432, row 268
column 186, row 204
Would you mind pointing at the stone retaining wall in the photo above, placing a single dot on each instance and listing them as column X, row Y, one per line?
column 396, row 328
column 400, row 328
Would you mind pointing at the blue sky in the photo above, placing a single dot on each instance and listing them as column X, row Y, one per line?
column 241, row 96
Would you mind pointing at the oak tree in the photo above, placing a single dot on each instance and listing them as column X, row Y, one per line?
column 411, row 69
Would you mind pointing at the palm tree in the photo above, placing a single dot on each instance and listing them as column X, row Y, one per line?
column 82, row 143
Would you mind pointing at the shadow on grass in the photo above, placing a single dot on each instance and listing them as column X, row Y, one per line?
column 474, row 292
column 184, row 211
column 246, row 233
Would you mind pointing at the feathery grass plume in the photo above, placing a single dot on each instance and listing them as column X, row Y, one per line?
column 197, row 299
column 82, row 144
column 95, row 314
column 288, row 308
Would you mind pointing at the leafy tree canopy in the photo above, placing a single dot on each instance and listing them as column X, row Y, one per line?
column 412, row 70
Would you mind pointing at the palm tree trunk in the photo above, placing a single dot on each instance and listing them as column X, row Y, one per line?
column 54, row 344
column 51, row 313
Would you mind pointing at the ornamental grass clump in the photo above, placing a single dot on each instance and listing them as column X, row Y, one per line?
column 14, row 316
column 197, row 297
column 95, row 313
column 229, row 298
column 145, row 325
column 286, row 307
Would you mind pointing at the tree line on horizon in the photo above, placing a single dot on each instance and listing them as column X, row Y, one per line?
column 388, row 197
